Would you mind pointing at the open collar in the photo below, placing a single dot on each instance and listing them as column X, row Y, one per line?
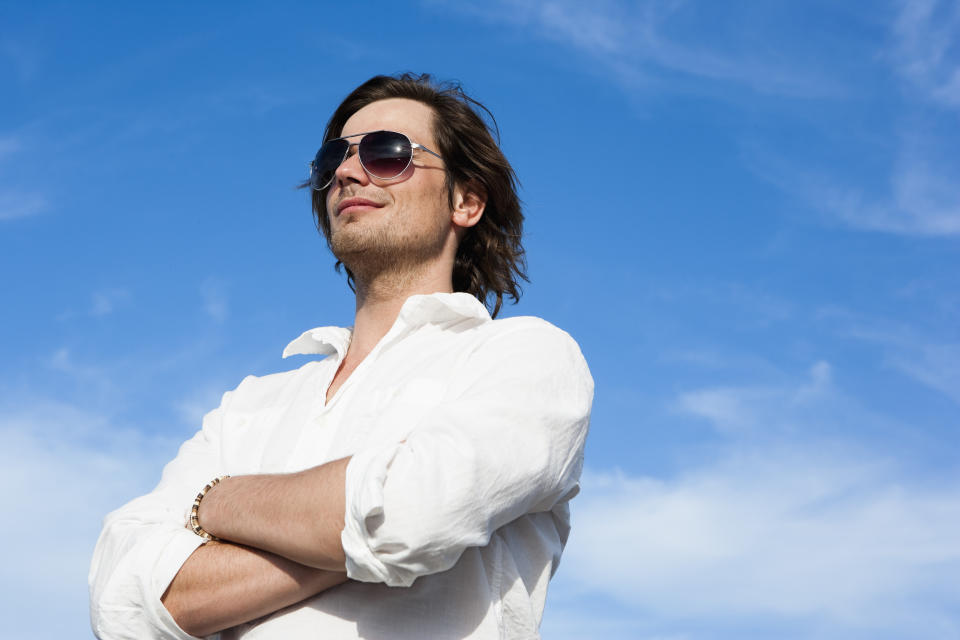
column 417, row 310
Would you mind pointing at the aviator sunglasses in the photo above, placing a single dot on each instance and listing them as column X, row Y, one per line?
column 383, row 155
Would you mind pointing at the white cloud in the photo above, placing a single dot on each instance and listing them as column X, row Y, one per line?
column 17, row 204
column 775, row 536
column 791, row 528
column 724, row 407
column 768, row 408
column 63, row 469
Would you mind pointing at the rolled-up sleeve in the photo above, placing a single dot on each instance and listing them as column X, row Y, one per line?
column 144, row 543
column 507, row 441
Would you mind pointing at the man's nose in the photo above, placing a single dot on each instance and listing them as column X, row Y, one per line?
column 350, row 170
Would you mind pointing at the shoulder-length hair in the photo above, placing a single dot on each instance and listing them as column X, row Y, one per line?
column 490, row 258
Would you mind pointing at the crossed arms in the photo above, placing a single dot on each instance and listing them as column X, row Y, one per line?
column 505, row 441
column 286, row 529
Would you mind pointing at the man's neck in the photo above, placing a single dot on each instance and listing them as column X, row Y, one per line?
column 380, row 300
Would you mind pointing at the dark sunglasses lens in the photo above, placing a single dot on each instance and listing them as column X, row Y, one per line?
column 325, row 164
column 385, row 154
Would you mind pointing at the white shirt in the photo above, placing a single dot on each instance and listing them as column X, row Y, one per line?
column 467, row 440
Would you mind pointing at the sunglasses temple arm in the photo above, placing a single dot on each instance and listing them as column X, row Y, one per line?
column 414, row 145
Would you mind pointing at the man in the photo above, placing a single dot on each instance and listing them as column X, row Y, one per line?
column 413, row 484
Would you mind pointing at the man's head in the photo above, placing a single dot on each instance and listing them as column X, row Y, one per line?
column 470, row 185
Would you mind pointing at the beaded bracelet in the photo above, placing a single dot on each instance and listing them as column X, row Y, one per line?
column 195, row 510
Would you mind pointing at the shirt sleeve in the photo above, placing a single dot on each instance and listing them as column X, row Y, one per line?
column 508, row 442
column 144, row 543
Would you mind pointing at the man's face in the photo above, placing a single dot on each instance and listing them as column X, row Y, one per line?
column 389, row 224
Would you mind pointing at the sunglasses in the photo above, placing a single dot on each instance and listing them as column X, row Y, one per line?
column 383, row 155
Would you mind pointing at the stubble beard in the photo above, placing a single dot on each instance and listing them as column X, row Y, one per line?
column 387, row 254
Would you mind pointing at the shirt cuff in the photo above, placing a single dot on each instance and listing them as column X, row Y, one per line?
column 169, row 562
column 365, row 478
column 133, row 609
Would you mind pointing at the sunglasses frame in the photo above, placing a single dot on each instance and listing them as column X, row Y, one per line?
column 346, row 152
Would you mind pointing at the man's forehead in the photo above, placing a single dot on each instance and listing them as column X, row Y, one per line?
column 409, row 117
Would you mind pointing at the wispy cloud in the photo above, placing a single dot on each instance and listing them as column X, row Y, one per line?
column 916, row 194
column 770, row 408
column 95, row 380
column 215, row 302
column 776, row 536
column 924, row 199
column 24, row 59
column 9, row 145
column 199, row 402
column 63, row 361
column 927, row 48
column 918, row 197
column 919, row 194
column 19, row 204
column 633, row 41
column 751, row 306
column 102, row 302
column 928, row 358
column 937, row 366
column 106, row 301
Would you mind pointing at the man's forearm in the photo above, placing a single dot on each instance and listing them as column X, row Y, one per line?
column 298, row 515
column 222, row 585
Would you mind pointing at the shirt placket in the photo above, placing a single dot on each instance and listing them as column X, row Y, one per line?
column 319, row 433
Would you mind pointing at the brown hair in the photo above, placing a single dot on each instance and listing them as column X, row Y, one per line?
column 490, row 258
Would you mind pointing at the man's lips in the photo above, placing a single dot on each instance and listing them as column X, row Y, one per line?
column 354, row 205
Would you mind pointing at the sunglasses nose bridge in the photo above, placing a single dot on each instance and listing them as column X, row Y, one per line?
column 351, row 166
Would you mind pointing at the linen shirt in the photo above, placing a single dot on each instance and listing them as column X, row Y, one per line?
column 466, row 436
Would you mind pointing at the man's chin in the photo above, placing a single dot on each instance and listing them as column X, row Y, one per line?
column 368, row 257
column 347, row 244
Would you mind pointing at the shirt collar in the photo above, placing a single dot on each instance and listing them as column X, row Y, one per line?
column 418, row 310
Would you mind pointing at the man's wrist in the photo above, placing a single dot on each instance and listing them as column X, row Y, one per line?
column 203, row 499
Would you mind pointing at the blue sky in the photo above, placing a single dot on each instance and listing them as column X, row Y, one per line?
column 747, row 216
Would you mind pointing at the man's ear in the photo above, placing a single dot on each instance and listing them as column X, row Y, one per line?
column 469, row 201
